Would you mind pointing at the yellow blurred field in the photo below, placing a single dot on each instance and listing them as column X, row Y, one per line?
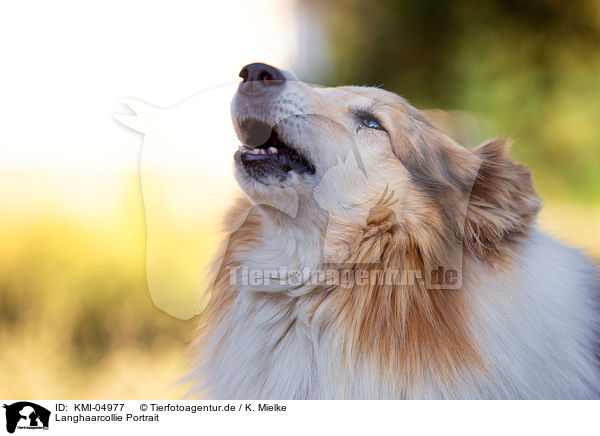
column 76, row 318
column 576, row 224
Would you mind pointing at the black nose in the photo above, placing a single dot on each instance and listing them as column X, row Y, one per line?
column 266, row 74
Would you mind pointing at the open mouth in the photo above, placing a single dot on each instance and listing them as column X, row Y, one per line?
column 265, row 155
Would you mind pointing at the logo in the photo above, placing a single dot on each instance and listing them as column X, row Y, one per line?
column 26, row 415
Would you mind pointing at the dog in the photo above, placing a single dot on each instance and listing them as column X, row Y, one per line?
column 450, row 289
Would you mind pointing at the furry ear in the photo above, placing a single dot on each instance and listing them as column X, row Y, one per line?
column 503, row 202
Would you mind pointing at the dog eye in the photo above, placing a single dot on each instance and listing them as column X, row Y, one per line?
column 371, row 122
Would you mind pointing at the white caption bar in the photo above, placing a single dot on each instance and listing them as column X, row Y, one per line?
column 296, row 417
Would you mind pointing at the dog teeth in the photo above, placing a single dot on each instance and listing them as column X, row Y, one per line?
column 245, row 149
column 255, row 150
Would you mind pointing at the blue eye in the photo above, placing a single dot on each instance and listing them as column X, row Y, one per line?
column 371, row 122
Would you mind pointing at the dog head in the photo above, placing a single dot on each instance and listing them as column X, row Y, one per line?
column 363, row 155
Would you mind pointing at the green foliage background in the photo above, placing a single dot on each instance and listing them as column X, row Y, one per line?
column 528, row 69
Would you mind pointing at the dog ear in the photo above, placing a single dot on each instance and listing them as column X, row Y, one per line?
column 503, row 203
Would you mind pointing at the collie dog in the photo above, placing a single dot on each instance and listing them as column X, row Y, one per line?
column 375, row 258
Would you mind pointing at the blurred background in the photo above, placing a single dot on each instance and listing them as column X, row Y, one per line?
column 76, row 317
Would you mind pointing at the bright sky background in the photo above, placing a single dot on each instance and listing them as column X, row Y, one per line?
column 66, row 65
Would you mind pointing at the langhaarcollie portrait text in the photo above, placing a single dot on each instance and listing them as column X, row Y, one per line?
column 375, row 258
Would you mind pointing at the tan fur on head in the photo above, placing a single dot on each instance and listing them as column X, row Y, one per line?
column 501, row 202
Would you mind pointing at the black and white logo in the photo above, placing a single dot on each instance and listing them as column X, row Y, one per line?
column 26, row 415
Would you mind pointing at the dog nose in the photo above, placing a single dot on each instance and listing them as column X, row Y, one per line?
column 263, row 73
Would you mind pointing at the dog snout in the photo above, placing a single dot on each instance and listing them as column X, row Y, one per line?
column 261, row 79
column 265, row 74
